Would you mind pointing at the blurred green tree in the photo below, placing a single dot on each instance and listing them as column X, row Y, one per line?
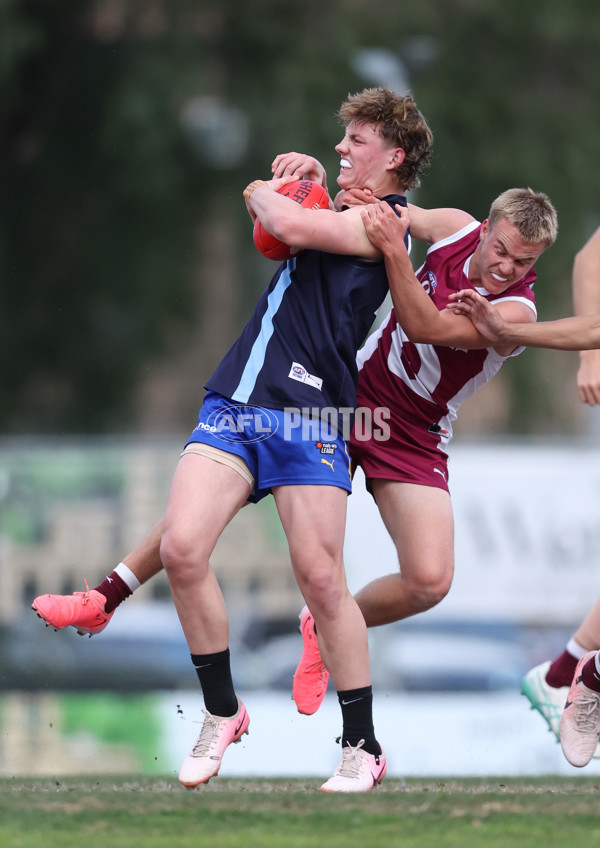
column 128, row 130
column 98, row 195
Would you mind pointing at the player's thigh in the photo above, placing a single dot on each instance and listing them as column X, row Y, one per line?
column 204, row 497
column 314, row 522
column 420, row 522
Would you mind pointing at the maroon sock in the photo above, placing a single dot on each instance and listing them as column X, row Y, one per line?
column 561, row 671
column 115, row 590
column 590, row 676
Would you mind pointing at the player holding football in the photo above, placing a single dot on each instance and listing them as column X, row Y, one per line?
column 313, row 316
column 498, row 258
column 309, row 323
column 409, row 481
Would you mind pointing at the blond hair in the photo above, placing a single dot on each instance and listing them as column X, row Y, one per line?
column 531, row 212
column 399, row 121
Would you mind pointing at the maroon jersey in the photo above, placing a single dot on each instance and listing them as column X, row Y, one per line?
column 418, row 388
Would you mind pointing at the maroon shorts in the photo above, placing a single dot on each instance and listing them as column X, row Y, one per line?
column 410, row 451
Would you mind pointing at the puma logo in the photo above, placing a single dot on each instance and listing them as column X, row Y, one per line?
column 326, row 461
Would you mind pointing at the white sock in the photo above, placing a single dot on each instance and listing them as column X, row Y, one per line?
column 575, row 649
column 127, row 576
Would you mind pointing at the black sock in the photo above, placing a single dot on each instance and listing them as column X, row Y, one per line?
column 357, row 716
column 214, row 674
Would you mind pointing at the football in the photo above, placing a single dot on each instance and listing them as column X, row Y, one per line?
column 309, row 195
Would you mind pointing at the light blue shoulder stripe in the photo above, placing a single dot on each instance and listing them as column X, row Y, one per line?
column 256, row 360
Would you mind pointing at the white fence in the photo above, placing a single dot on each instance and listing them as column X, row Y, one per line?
column 527, row 525
column 527, row 533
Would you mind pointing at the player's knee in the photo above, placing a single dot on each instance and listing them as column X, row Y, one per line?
column 428, row 593
column 323, row 588
column 177, row 556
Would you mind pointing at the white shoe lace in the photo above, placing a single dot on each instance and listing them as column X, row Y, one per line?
column 208, row 736
column 587, row 715
column 350, row 764
column 85, row 596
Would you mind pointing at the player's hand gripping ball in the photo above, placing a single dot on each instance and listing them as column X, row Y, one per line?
column 310, row 196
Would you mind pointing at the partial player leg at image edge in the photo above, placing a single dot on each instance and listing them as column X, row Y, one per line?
column 580, row 722
column 548, row 701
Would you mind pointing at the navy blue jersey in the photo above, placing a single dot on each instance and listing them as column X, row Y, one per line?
column 299, row 347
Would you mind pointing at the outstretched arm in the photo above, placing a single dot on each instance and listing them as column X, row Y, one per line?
column 418, row 315
column 586, row 299
column 577, row 333
column 428, row 225
column 433, row 225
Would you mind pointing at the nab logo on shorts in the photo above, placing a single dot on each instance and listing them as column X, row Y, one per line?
column 326, row 447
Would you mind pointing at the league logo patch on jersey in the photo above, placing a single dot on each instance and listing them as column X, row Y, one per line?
column 430, row 284
column 299, row 372
column 326, row 447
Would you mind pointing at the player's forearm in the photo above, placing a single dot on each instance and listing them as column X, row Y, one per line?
column 586, row 300
column 586, row 277
column 415, row 311
column 277, row 213
column 577, row 333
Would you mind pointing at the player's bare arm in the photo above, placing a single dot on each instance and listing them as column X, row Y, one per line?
column 586, row 277
column 416, row 312
column 428, row 225
column 575, row 333
column 485, row 318
column 274, row 185
column 433, row 225
column 332, row 232
column 586, row 300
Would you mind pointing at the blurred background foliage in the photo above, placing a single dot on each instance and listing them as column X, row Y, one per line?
column 128, row 129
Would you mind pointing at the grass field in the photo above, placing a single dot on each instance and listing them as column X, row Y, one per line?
column 229, row 813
